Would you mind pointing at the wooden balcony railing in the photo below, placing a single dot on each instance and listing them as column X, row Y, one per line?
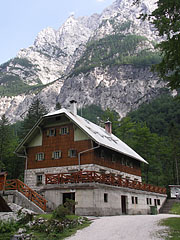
column 109, row 179
column 33, row 196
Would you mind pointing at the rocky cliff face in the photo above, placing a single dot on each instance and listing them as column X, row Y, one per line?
column 63, row 64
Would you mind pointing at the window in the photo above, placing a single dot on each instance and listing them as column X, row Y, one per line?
column 150, row 202
column 72, row 153
column 155, row 202
column 113, row 158
column 39, row 179
column 64, row 131
column 132, row 199
column 147, row 200
column 40, row 156
column 102, row 153
column 56, row 154
column 158, row 202
column 136, row 200
column 105, row 197
column 51, row 132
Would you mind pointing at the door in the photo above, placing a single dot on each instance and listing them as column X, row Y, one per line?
column 123, row 204
column 69, row 196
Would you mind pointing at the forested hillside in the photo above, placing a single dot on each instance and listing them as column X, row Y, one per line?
column 152, row 131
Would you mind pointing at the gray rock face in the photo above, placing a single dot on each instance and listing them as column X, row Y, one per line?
column 121, row 88
column 55, row 53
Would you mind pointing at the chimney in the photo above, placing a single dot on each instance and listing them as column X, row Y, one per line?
column 73, row 107
column 108, row 126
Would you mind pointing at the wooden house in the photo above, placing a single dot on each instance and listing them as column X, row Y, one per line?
column 68, row 156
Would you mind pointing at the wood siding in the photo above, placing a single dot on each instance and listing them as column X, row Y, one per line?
column 66, row 142
column 55, row 143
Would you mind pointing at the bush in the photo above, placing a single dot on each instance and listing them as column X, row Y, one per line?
column 70, row 204
column 60, row 212
column 8, row 226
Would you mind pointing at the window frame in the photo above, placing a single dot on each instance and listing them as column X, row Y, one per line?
column 51, row 132
column 70, row 151
column 62, row 130
column 39, row 178
column 55, row 153
column 40, row 156
column 105, row 197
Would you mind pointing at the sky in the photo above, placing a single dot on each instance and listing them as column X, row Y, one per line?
column 22, row 20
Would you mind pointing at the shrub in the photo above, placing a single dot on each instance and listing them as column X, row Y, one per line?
column 60, row 212
column 8, row 226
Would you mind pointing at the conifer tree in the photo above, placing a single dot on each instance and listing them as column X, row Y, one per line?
column 35, row 112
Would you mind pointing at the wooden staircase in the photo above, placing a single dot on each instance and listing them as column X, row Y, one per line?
column 16, row 184
column 168, row 205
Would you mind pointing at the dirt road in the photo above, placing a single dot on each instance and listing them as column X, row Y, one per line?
column 137, row 227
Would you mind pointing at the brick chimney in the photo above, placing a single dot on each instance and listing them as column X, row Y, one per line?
column 108, row 126
column 73, row 107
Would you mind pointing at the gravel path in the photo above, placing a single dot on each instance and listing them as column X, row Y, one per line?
column 136, row 227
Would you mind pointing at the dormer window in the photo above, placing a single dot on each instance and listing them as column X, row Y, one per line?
column 64, row 131
column 51, row 132
column 40, row 156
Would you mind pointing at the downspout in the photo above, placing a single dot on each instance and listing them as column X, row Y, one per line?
column 24, row 156
column 79, row 155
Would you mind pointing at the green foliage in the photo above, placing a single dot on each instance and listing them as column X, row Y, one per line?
column 115, row 49
column 166, row 20
column 174, row 225
column 92, row 112
column 13, row 85
column 8, row 142
column 23, row 62
column 8, row 226
column 35, row 112
column 58, row 106
column 175, row 209
column 158, row 114
column 70, row 205
column 60, row 212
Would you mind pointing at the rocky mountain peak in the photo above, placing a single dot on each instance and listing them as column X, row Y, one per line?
column 101, row 59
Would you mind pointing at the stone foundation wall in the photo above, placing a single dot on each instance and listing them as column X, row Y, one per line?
column 31, row 174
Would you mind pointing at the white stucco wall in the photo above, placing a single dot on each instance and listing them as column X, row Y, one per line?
column 90, row 199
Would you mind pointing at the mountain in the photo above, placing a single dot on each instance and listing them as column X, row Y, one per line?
column 102, row 59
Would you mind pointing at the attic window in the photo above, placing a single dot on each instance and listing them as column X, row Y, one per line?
column 51, row 132
column 58, row 118
column 40, row 156
column 56, row 154
column 113, row 158
column 102, row 153
column 64, row 131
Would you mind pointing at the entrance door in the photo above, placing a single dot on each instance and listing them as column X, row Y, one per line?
column 69, row 196
column 123, row 204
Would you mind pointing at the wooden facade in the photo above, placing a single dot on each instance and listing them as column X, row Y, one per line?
column 65, row 142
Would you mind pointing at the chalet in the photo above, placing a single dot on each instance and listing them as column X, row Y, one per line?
column 68, row 156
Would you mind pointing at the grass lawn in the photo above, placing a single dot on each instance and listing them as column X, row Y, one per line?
column 176, row 208
column 174, row 227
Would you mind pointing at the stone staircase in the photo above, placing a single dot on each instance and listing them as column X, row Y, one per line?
column 168, row 205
